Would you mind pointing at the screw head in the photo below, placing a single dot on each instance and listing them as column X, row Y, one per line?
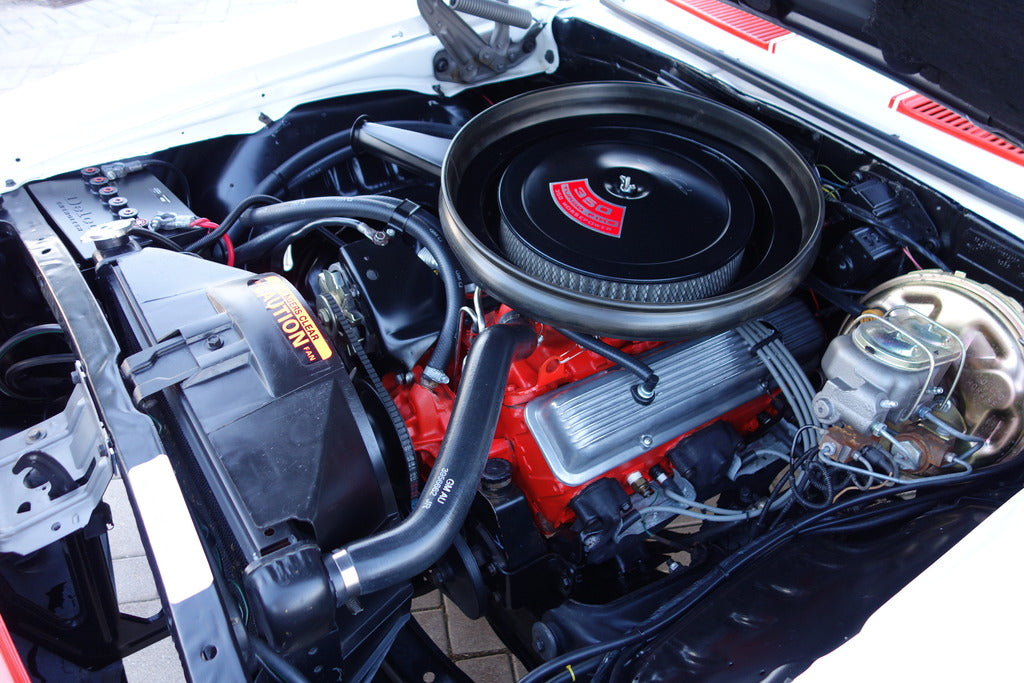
column 35, row 434
column 214, row 342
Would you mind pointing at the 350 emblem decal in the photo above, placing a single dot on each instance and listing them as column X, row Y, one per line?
column 577, row 200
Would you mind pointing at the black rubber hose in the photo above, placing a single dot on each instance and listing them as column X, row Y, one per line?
column 639, row 368
column 38, row 362
column 298, row 212
column 847, row 304
column 428, row 233
column 284, row 174
column 367, row 207
column 343, row 154
column 258, row 246
column 26, row 334
column 333, row 159
column 872, row 519
column 230, row 221
column 286, row 234
column 279, row 177
column 399, row 554
column 279, row 667
column 420, row 225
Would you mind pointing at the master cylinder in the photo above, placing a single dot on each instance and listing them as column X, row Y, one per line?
column 884, row 368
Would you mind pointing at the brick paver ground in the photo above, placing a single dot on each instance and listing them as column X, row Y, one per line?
column 40, row 37
column 471, row 644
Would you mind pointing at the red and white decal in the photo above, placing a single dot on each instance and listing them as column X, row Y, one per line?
column 745, row 25
column 926, row 111
column 578, row 201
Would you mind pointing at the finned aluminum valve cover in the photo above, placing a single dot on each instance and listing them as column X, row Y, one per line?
column 592, row 426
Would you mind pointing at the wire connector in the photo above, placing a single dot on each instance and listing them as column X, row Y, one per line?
column 171, row 221
column 379, row 238
column 121, row 169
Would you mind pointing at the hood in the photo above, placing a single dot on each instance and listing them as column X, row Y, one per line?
column 242, row 80
column 964, row 53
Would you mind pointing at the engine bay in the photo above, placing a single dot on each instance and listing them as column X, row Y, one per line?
column 576, row 349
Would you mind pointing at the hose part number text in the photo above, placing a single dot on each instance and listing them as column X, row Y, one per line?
column 441, row 489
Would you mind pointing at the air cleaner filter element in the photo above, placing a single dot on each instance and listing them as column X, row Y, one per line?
column 632, row 215
column 629, row 210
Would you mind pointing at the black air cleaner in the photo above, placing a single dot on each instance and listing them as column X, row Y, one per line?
column 629, row 210
column 626, row 214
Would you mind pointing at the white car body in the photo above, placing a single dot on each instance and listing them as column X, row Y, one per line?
column 269, row 63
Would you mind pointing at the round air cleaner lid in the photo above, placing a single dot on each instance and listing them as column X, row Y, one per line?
column 629, row 210
column 628, row 214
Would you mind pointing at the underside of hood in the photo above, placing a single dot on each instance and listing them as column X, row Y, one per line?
column 965, row 53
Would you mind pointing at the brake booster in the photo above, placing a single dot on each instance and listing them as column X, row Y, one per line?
column 932, row 370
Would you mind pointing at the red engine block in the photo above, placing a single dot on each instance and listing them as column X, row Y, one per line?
column 556, row 362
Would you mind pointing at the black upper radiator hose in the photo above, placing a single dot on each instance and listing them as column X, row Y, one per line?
column 401, row 553
column 295, row 591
